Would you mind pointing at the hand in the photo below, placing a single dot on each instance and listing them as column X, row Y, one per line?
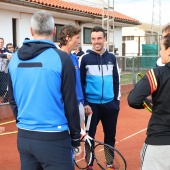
column 148, row 102
column 87, row 110
column 2, row 129
column 9, row 56
column 77, row 151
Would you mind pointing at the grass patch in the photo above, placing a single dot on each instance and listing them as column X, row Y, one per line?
column 126, row 78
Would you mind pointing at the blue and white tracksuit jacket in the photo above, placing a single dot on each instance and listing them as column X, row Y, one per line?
column 99, row 77
column 100, row 84
column 41, row 91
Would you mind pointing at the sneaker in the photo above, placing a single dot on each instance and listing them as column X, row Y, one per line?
column 112, row 167
column 89, row 168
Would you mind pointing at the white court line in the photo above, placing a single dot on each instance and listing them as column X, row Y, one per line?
column 80, row 159
column 120, row 140
column 133, row 135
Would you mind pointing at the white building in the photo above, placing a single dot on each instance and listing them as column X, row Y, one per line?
column 15, row 18
column 134, row 37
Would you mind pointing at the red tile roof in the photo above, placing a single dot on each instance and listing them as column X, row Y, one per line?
column 60, row 4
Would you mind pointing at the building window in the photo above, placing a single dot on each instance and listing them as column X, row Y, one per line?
column 86, row 35
column 129, row 38
column 58, row 26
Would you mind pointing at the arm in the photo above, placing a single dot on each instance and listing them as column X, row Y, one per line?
column 139, row 93
column 83, row 78
column 7, row 54
column 11, row 98
column 70, row 98
column 116, row 81
column 3, row 55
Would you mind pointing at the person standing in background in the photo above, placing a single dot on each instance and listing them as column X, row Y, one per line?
column 101, row 87
column 10, row 47
column 43, row 100
column 5, row 56
column 4, row 53
column 78, row 52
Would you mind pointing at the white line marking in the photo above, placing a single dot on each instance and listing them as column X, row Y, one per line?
column 133, row 134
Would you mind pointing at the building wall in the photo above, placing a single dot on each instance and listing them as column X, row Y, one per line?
column 6, row 24
column 135, row 31
column 132, row 47
column 23, row 28
column 118, row 40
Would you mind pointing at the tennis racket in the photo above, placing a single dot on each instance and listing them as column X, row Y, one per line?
column 147, row 103
column 94, row 150
column 138, row 77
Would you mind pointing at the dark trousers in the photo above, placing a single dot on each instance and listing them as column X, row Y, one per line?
column 108, row 114
column 45, row 155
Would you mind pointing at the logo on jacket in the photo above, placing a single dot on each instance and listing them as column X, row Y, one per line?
column 76, row 67
column 110, row 63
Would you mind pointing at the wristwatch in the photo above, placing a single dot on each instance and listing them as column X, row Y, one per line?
column 76, row 150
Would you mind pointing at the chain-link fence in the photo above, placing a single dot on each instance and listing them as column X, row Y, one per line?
column 3, row 81
column 129, row 66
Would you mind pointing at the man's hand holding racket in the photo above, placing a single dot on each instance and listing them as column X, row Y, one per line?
column 77, row 151
column 102, row 153
column 87, row 110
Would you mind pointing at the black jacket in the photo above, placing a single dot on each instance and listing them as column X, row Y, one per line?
column 156, row 82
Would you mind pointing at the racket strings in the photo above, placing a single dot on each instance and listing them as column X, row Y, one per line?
column 106, row 156
column 84, row 159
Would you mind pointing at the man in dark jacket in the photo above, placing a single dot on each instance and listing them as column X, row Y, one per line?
column 78, row 52
column 100, row 83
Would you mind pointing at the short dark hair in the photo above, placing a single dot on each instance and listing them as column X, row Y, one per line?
column 1, row 39
column 27, row 38
column 80, row 48
column 166, row 41
column 67, row 30
column 9, row 44
column 98, row 29
column 166, row 28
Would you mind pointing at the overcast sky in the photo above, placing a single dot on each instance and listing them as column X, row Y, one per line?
column 142, row 10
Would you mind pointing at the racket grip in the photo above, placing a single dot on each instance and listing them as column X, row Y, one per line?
column 88, row 122
column 83, row 133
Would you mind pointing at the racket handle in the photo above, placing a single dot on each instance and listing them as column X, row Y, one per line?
column 88, row 122
column 83, row 133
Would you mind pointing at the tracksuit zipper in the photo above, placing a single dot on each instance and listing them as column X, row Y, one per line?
column 102, row 79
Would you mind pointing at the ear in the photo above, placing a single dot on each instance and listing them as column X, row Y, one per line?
column 168, row 51
column 54, row 31
column 31, row 31
column 105, row 39
column 68, row 38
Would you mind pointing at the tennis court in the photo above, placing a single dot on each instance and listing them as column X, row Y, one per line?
column 131, row 132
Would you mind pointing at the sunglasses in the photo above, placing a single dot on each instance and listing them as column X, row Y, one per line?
column 10, row 47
